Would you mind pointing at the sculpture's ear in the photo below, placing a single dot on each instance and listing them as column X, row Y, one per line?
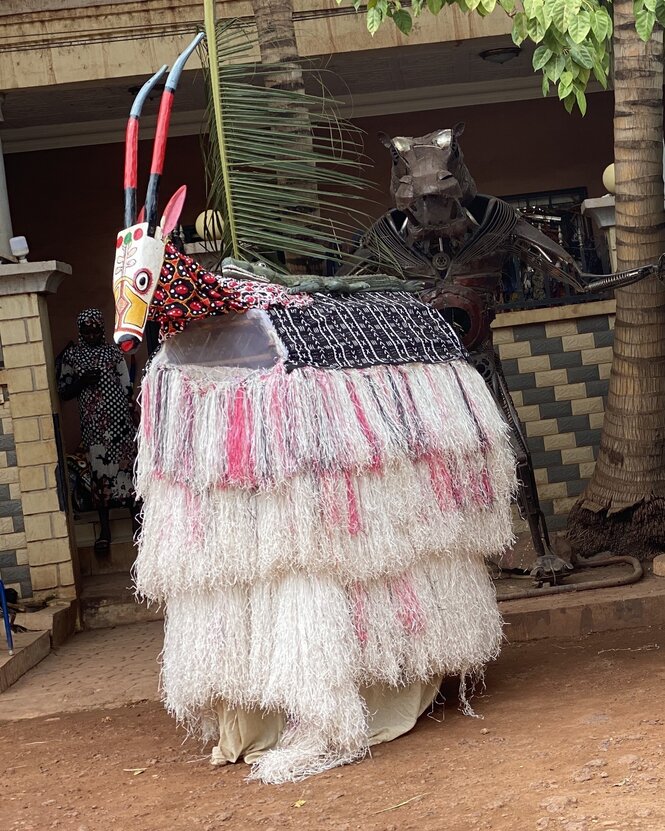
column 173, row 210
column 385, row 140
column 458, row 129
column 388, row 143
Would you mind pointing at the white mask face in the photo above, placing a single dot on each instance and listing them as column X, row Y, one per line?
column 138, row 263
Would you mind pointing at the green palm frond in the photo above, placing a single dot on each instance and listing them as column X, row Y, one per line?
column 284, row 171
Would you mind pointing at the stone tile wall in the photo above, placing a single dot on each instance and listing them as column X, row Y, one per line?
column 36, row 554
column 14, row 568
column 557, row 365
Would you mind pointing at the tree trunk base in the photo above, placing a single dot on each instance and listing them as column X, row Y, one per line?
column 637, row 532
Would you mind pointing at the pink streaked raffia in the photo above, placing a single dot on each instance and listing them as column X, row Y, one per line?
column 313, row 533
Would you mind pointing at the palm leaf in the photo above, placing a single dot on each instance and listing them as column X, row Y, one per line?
column 283, row 170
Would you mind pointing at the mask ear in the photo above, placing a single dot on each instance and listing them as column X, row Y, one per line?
column 173, row 210
column 458, row 129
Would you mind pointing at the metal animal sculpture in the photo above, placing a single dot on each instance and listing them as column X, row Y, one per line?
column 443, row 231
column 323, row 476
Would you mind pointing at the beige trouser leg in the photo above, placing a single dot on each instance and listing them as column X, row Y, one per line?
column 248, row 734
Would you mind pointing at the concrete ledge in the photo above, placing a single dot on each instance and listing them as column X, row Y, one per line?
column 119, row 559
column 29, row 649
column 569, row 616
column 59, row 619
column 572, row 312
column 32, row 277
column 119, row 614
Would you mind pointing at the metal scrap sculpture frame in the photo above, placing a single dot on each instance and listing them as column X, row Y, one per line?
column 446, row 233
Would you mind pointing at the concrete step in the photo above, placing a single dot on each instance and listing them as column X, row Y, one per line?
column 569, row 616
column 29, row 649
column 108, row 600
column 119, row 559
column 58, row 618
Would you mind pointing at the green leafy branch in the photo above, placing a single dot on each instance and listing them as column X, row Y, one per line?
column 573, row 38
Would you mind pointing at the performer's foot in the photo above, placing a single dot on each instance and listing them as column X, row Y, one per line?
column 102, row 547
column 217, row 759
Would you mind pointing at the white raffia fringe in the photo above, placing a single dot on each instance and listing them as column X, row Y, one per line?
column 306, row 646
column 393, row 519
column 432, row 490
column 224, row 427
column 315, row 532
column 301, row 753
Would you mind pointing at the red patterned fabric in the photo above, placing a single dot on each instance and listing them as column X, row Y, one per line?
column 186, row 291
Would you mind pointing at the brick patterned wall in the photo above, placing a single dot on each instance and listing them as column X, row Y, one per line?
column 42, row 547
column 558, row 373
column 14, row 568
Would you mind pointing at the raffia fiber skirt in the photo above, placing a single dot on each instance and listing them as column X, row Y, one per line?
column 318, row 539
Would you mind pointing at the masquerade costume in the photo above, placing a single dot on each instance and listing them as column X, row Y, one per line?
column 336, row 488
column 322, row 479
column 107, row 429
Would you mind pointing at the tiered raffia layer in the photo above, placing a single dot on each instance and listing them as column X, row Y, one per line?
column 319, row 531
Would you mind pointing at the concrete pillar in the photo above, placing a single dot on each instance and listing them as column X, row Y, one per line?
column 602, row 214
column 6, row 232
column 37, row 551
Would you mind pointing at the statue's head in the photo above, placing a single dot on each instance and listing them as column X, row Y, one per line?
column 430, row 182
column 140, row 246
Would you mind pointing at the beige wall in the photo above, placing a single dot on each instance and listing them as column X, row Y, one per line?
column 45, row 42
column 69, row 202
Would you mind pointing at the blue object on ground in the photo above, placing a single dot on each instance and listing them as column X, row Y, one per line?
column 5, row 617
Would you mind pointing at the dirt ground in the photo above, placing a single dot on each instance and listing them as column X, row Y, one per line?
column 572, row 739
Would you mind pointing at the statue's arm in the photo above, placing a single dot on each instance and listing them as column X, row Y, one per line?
column 543, row 254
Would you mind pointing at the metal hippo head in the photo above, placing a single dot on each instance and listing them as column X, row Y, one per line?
column 430, row 182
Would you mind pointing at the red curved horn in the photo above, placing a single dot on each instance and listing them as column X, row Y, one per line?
column 163, row 121
column 132, row 147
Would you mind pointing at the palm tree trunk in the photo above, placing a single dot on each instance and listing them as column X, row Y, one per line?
column 277, row 43
column 623, row 507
